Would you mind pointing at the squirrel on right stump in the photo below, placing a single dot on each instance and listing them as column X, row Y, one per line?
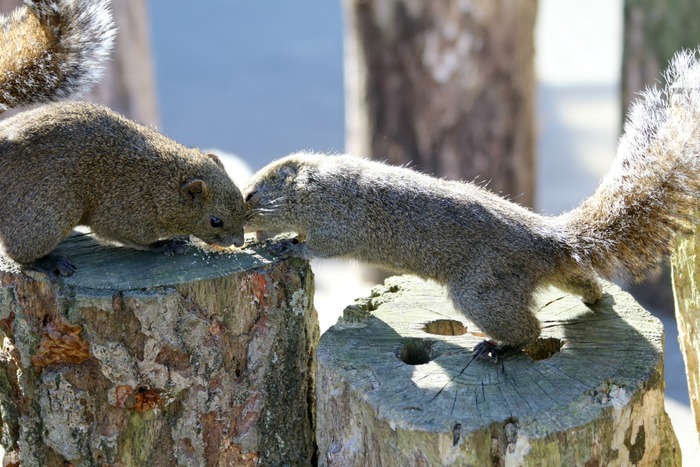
column 75, row 163
column 491, row 253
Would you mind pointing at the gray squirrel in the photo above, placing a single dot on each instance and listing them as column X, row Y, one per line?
column 74, row 163
column 491, row 254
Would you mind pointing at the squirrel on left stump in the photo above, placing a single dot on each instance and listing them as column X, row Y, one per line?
column 75, row 163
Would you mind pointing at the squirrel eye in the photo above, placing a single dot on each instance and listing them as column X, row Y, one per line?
column 216, row 222
column 248, row 196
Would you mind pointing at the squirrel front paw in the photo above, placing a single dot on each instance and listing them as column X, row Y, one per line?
column 490, row 351
column 54, row 266
column 284, row 248
column 173, row 246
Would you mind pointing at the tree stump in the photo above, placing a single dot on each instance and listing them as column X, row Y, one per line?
column 396, row 385
column 686, row 284
column 143, row 359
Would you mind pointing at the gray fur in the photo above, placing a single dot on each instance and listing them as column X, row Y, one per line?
column 490, row 253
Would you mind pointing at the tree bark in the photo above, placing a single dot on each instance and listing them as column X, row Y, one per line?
column 396, row 385
column 686, row 284
column 445, row 86
column 143, row 359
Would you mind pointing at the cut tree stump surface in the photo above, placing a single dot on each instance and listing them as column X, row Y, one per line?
column 104, row 267
column 396, row 385
column 145, row 359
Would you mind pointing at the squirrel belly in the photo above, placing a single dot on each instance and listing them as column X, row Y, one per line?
column 73, row 163
column 491, row 254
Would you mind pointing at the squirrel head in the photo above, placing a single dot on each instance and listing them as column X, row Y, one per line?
column 271, row 196
column 217, row 204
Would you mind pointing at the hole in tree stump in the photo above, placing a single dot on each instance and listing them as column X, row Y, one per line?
column 416, row 352
column 544, row 348
column 445, row 327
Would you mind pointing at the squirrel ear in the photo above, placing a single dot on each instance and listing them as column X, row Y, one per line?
column 216, row 159
column 288, row 173
column 195, row 189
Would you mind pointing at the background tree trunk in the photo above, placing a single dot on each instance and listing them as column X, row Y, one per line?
column 128, row 85
column 445, row 86
column 143, row 359
column 654, row 31
column 396, row 385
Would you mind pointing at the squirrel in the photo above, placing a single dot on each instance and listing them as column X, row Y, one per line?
column 492, row 254
column 68, row 163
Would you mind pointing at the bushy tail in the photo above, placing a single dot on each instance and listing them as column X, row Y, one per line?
column 626, row 227
column 52, row 50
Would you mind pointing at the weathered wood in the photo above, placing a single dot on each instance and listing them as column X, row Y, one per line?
column 445, row 86
column 396, row 386
column 686, row 288
column 143, row 359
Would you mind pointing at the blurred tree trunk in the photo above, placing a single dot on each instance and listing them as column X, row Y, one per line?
column 128, row 84
column 445, row 86
column 654, row 30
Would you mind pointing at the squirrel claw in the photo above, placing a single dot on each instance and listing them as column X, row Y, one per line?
column 284, row 248
column 173, row 246
column 54, row 266
column 489, row 350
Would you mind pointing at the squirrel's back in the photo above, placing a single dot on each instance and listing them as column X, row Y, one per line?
column 52, row 50
column 394, row 217
column 91, row 151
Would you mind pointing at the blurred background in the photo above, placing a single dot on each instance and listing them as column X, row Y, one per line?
column 525, row 95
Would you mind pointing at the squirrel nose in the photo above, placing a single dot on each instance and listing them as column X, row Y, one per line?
column 239, row 240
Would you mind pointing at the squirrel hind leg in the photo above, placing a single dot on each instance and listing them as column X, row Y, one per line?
column 491, row 351
column 583, row 284
column 501, row 311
